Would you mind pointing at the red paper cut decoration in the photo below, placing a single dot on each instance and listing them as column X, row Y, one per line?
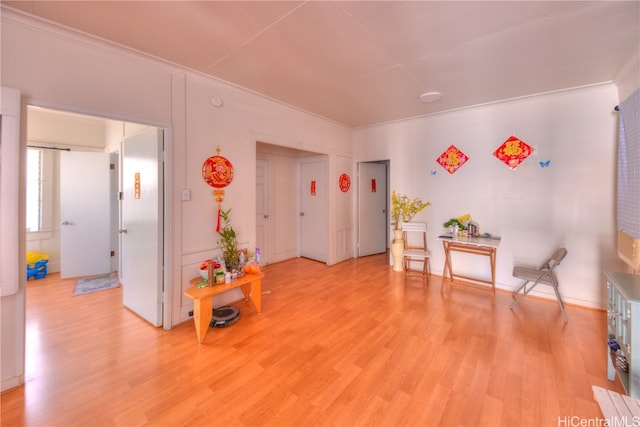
column 513, row 151
column 217, row 171
column 344, row 182
column 313, row 188
column 452, row 159
column 373, row 185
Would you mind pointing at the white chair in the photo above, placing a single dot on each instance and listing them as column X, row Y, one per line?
column 544, row 275
column 414, row 235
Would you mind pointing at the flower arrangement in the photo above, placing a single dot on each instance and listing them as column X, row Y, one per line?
column 403, row 208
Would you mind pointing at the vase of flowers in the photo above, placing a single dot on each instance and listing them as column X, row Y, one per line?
column 403, row 209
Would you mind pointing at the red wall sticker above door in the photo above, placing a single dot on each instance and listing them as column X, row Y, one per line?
column 344, row 182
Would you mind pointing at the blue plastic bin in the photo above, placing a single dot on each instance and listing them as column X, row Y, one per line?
column 37, row 270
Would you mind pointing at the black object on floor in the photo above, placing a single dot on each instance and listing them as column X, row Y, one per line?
column 224, row 316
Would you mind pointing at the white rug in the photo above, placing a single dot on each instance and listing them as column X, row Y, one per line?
column 96, row 283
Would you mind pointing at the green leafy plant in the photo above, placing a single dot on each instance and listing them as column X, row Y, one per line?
column 404, row 208
column 228, row 242
column 461, row 222
column 453, row 222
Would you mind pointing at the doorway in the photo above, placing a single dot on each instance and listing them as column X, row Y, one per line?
column 278, row 187
column 262, row 211
column 373, row 207
column 53, row 129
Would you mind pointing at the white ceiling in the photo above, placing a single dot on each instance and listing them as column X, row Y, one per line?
column 366, row 62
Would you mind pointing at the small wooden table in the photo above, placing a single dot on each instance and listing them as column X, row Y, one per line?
column 470, row 245
column 250, row 284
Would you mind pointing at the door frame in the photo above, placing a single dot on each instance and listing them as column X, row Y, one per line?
column 359, row 190
column 265, row 248
column 387, row 189
column 167, row 185
column 267, row 149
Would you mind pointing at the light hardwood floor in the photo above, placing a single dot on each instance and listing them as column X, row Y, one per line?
column 347, row 345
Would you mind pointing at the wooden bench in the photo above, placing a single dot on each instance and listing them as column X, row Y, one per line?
column 250, row 284
column 619, row 407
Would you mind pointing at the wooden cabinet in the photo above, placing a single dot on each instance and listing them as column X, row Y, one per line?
column 623, row 318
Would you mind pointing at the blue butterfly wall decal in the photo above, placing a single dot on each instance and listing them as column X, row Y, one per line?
column 545, row 164
column 433, row 172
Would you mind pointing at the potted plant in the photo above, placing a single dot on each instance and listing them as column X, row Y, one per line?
column 228, row 242
column 403, row 209
column 455, row 224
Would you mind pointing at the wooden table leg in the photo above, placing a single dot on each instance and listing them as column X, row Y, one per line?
column 492, row 260
column 253, row 292
column 202, row 312
column 256, row 294
column 447, row 274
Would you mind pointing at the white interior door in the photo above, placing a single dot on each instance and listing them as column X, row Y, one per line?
column 372, row 208
column 85, row 248
column 314, row 200
column 262, row 209
column 141, row 227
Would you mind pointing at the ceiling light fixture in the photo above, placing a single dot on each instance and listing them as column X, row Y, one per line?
column 430, row 97
column 217, row 102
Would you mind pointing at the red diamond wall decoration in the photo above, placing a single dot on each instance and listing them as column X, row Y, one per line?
column 513, row 151
column 452, row 159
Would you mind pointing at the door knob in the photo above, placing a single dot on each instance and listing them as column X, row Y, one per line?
column 266, row 216
column 122, row 231
column 301, row 213
column 66, row 223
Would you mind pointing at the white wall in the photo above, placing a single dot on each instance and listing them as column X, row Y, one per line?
column 534, row 209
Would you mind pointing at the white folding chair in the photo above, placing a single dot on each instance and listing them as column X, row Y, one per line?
column 415, row 247
column 544, row 275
